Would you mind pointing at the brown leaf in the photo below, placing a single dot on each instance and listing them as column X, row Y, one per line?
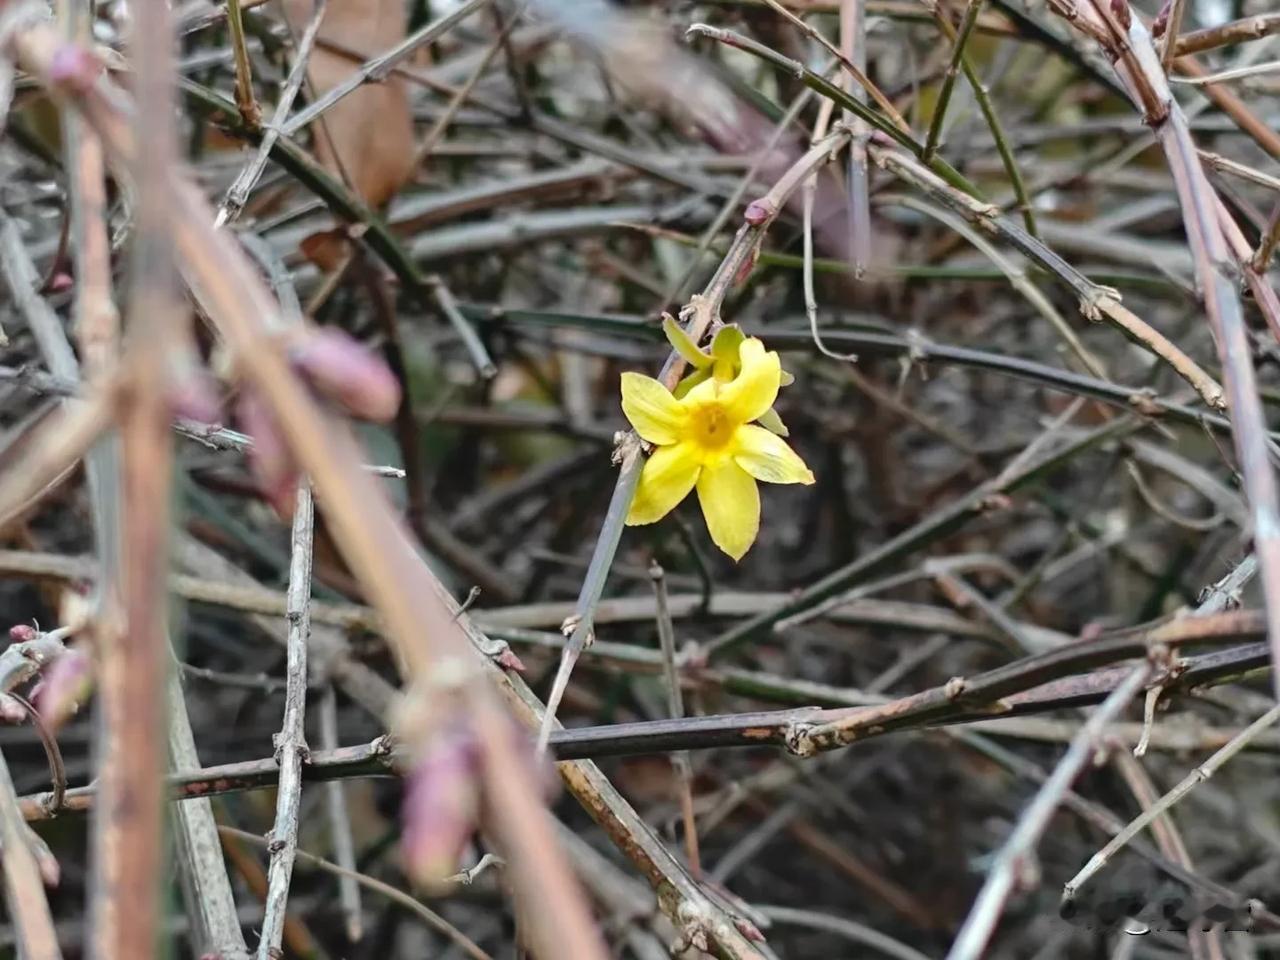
column 366, row 138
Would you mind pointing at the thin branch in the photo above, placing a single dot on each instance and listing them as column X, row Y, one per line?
column 206, row 888
column 1173, row 27
column 675, row 708
column 934, row 136
column 1236, row 31
column 290, row 743
column 340, row 823
column 247, row 103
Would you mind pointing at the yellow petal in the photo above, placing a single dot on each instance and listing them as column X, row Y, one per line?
column 752, row 392
column 731, row 503
column 652, row 410
column 767, row 457
column 666, row 479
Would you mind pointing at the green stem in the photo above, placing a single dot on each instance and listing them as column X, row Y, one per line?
column 959, row 40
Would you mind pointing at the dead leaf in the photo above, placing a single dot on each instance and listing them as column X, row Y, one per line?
column 366, row 138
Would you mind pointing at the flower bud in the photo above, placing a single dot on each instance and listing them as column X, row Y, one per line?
column 66, row 685
column 75, row 68
column 1161, row 23
column 341, row 367
column 759, row 212
column 272, row 464
column 22, row 633
column 441, row 806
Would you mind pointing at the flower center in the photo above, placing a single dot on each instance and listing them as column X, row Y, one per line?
column 711, row 428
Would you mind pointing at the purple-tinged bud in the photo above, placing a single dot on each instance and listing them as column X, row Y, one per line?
column 748, row 929
column 22, row 633
column 1161, row 23
column 441, row 806
column 67, row 684
column 341, row 367
column 196, row 398
column 759, row 212
column 508, row 660
column 75, row 68
column 272, row 464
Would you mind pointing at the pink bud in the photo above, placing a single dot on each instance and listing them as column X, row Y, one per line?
column 1120, row 8
column 75, row 68
column 508, row 660
column 441, row 806
column 22, row 633
column 59, row 282
column 269, row 458
column 760, row 212
column 195, row 398
column 340, row 366
column 1161, row 23
column 748, row 929
column 67, row 684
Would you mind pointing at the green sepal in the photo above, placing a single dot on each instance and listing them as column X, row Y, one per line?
column 683, row 345
column 691, row 381
column 787, row 379
column 773, row 423
column 727, row 344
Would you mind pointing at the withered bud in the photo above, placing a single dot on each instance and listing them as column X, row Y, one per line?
column 1120, row 9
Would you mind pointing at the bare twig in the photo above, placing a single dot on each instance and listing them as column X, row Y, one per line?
column 675, row 707
column 250, row 112
column 1236, row 31
column 211, row 907
column 290, row 743
column 335, row 797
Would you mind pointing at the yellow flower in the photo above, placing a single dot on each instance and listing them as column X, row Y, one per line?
column 706, row 439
